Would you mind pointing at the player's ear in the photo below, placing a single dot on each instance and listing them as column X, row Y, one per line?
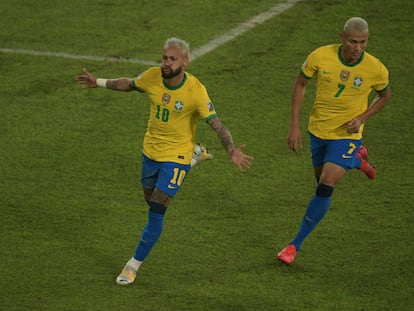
column 186, row 62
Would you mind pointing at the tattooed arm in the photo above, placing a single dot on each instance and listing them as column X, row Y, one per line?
column 88, row 80
column 223, row 134
column 120, row 84
column 240, row 159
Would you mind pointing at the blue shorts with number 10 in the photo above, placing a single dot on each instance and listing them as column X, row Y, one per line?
column 339, row 151
column 166, row 176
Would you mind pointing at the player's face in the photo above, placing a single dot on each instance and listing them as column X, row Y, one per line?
column 173, row 62
column 353, row 44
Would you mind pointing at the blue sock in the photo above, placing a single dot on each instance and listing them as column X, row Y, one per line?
column 315, row 211
column 152, row 231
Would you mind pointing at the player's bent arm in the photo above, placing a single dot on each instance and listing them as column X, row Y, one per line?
column 377, row 104
column 223, row 134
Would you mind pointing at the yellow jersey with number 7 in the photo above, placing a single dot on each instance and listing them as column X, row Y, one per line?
column 342, row 90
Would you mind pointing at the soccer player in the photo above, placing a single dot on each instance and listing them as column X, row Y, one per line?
column 178, row 101
column 345, row 76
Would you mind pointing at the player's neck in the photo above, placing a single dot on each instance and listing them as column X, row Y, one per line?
column 175, row 81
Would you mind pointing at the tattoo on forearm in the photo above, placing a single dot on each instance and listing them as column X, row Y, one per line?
column 222, row 132
column 112, row 84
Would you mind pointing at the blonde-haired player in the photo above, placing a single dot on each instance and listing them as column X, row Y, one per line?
column 178, row 100
column 345, row 76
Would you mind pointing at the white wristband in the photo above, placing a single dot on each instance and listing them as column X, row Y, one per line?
column 101, row 82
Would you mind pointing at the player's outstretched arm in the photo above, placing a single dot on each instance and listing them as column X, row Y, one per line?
column 88, row 80
column 237, row 156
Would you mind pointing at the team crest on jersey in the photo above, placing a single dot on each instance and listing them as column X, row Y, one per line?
column 166, row 98
column 210, row 106
column 358, row 81
column 345, row 75
column 179, row 105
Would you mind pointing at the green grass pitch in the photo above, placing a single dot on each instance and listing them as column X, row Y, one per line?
column 71, row 207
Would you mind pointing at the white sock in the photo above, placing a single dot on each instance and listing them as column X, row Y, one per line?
column 134, row 264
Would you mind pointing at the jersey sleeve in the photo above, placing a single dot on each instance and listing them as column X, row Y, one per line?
column 206, row 108
column 309, row 67
column 383, row 78
column 141, row 82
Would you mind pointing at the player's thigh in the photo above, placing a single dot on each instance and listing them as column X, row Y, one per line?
column 318, row 150
column 149, row 173
column 342, row 152
column 171, row 177
column 331, row 174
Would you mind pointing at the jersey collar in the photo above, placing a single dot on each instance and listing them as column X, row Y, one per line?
column 178, row 86
column 345, row 63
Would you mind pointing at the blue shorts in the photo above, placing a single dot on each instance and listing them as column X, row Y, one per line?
column 166, row 176
column 339, row 151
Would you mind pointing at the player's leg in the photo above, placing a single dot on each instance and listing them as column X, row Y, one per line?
column 170, row 177
column 316, row 210
column 149, row 175
column 317, row 171
column 328, row 155
column 149, row 237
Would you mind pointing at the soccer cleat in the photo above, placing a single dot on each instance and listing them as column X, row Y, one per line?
column 362, row 153
column 287, row 255
column 127, row 276
column 366, row 167
column 200, row 154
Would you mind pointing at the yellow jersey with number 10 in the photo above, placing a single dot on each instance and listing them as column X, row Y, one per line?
column 342, row 90
column 174, row 114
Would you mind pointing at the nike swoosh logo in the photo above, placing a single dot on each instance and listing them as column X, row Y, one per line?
column 171, row 187
column 346, row 156
column 326, row 72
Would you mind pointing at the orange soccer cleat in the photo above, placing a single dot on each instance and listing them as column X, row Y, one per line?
column 287, row 255
column 366, row 167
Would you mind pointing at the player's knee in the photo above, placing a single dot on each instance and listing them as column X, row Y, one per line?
column 157, row 208
column 324, row 191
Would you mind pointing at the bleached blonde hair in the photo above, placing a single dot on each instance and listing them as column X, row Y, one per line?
column 185, row 46
column 356, row 24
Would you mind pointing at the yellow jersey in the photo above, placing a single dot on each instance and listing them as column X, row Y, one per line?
column 342, row 90
column 170, row 134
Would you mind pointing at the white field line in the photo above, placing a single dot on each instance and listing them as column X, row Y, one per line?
column 196, row 53
column 242, row 28
column 73, row 56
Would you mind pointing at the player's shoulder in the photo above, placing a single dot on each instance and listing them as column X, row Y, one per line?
column 152, row 71
column 371, row 58
column 327, row 49
column 192, row 78
column 372, row 63
column 324, row 52
column 147, row 77
column 194, row 81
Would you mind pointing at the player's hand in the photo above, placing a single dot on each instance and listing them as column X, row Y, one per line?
column 88, row 80
column 353, row 126
column 295, row 139
column 240, row 159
